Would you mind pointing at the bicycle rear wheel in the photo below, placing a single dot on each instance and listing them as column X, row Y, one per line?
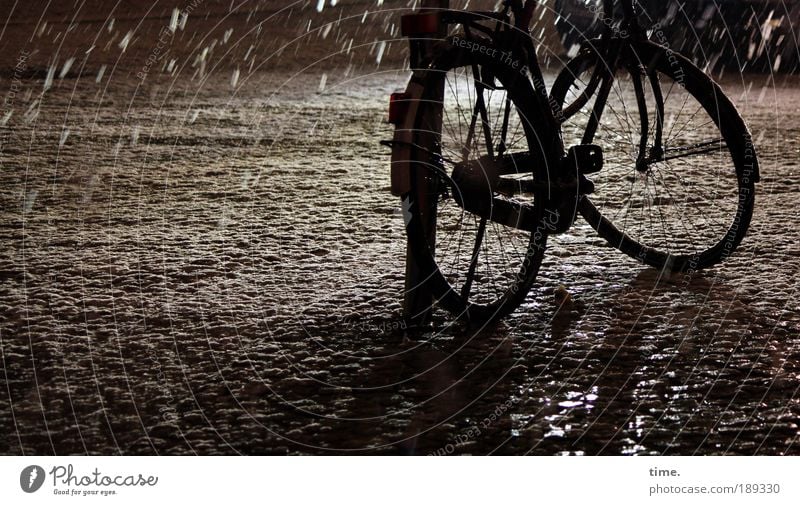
column 690, row 202
column 475, row 115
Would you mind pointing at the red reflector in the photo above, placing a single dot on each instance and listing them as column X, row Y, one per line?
column 398, row 107
column 419, row 24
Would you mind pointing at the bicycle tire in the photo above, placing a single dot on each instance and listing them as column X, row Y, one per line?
column 689, row 250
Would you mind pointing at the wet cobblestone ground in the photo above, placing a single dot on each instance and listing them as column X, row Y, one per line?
column 187, row 272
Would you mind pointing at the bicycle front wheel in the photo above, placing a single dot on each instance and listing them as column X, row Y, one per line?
column 677, row 187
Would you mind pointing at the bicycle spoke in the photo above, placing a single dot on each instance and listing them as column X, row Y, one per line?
column 696, row 149
column 480, row 105
column 465, row 290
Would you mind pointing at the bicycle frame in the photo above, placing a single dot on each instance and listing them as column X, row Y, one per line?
column 511, row 34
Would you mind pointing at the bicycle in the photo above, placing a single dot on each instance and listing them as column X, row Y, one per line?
column 479, row 160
